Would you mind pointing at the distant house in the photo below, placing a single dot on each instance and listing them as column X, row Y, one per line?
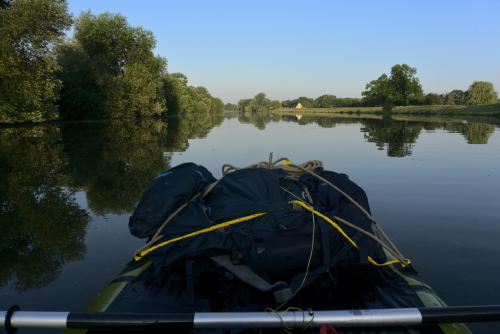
column 298, row 106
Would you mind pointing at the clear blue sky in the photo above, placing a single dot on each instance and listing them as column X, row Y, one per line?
column 291, row 48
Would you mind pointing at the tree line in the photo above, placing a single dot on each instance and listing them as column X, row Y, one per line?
column 107, row 69
column 400, row 87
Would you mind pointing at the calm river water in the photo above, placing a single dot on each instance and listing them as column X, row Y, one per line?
column 67, row 190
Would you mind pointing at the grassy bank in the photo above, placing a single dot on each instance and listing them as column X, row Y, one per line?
column 448, row 110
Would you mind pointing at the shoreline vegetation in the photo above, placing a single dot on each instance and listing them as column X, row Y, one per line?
column 400, row 92
column 422, row 110
column 106, row 69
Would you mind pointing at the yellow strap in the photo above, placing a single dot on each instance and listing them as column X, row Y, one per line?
column 331, row 222
column 341, row 231
column 195, row 233
column 375, row 263
column 309, row 208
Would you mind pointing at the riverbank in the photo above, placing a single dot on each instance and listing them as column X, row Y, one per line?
column 492, row 110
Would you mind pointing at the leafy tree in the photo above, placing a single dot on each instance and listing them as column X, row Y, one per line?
column 481, row 92
column 406, row 84
column 400, row 88
column 182, row 98
column 456, row 97
column 29, row 29
column 380, row 91
column 274, row 104
column 232, row 106
column 325, row 101
column 433, row 98
column 110, row 71
column 260, row 103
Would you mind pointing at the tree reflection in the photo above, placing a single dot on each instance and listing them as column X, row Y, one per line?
column 189, row 126
column 474, row 133
column 114, row 161
column 397, row 137
column 42, row 227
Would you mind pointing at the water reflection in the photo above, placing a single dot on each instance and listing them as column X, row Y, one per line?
column 396, row 135
column 41, row 167
column 113, row 162
column 41, row 226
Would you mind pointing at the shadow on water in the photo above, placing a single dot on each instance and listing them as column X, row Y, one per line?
column 42, row 227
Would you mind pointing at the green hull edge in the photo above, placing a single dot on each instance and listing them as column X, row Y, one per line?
column 425, row 293
column 107, row 295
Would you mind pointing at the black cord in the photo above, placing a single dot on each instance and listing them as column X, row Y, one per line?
column 7, row 324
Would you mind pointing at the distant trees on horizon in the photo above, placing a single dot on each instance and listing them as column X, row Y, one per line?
column 401, row 87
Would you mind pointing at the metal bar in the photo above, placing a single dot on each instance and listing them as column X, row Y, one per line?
column 289, row 319
column 26, row 319
column 297, row 319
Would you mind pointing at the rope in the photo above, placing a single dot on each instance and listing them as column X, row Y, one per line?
column 404, row 262
column 157, row 236
column 294, row 171
column 308, row 266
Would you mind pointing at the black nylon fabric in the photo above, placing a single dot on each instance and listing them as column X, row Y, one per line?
column 168, row 191
column 276, row 245
column 183, row 278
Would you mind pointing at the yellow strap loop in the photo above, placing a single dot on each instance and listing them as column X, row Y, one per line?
column 331, row 222
column 195, row 233
column 342, row 232
column 307, row 207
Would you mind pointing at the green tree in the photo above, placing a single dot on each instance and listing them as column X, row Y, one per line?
column 406, row 84
column 456, row 96
column 29, row 29
column 182, row 98
column 402, row 87
column 481, row 92
column 260, row 103
column 325, row 101
column 110, row 71
column 380, row 92
column 232, row 106
column 432, row 98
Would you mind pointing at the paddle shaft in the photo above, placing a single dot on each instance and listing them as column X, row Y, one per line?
column 290, row 319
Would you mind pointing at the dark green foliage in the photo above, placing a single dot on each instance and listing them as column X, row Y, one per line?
column 481, row 92
column 402, row 87
column 456, row 96
column 29, row 29
column 233, row 107
column 260, row 103
column 182, row 98
column 433, row 98
column 110, row 71
column 325, row 101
